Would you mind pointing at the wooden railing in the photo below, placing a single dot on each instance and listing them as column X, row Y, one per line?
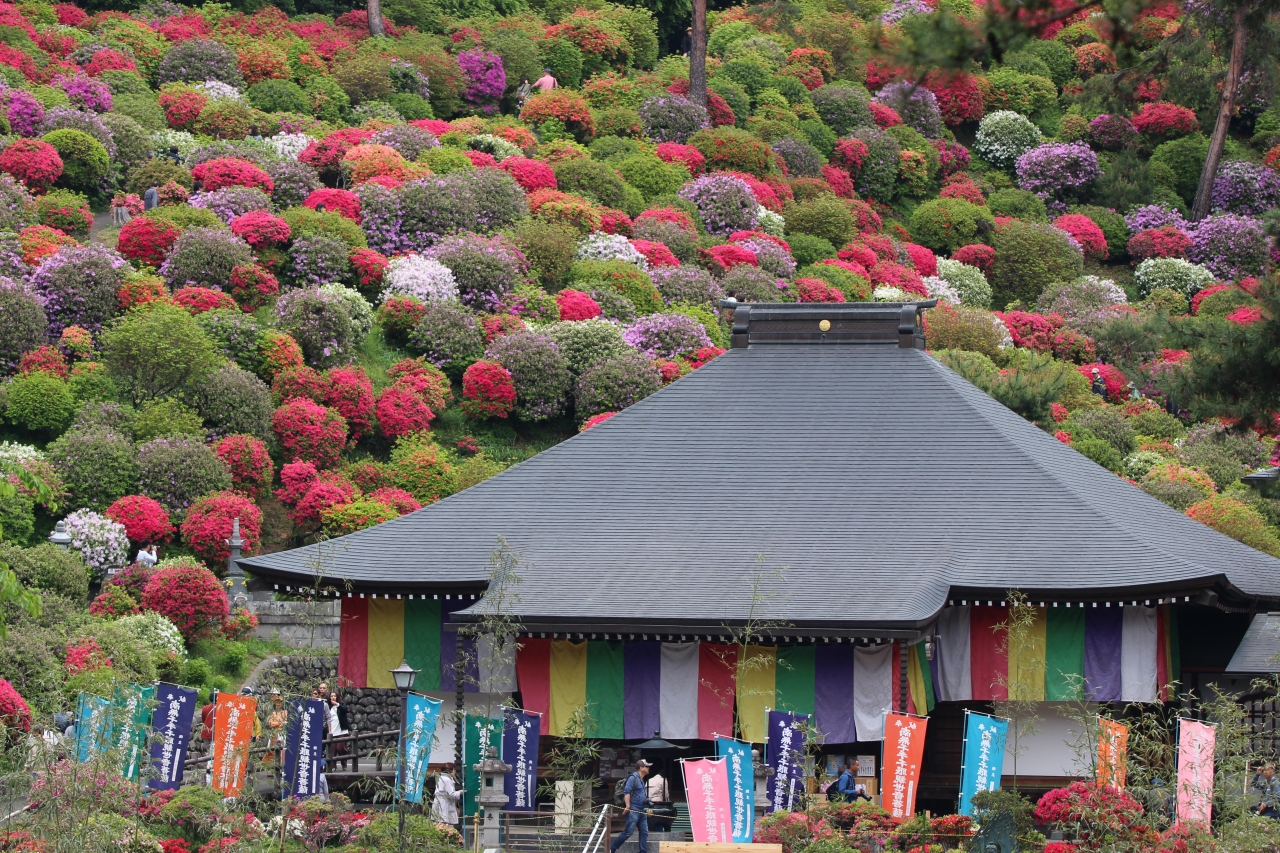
column 367, row 745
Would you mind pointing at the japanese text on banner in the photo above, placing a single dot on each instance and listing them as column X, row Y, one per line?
column 742, row 794
column 984, row 738
column 706, row 783
column 233, row 717
column 172, row 721
column 903, row 752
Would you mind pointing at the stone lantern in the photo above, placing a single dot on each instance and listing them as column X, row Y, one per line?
column 492, row 797
column 762, row 773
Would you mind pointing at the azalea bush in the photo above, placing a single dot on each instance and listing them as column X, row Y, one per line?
column 188, row 595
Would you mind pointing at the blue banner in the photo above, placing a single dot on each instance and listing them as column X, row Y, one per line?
column 304, row 748
column 983, row 760
column 174, row 715
column 420, row 730
column 742, row 790
column 784, row 750
column 520, row 750
column 93, row 727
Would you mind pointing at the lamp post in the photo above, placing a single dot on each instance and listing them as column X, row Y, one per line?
column 404, row 676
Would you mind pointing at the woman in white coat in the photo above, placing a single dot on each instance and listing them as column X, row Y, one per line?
column 445, row 806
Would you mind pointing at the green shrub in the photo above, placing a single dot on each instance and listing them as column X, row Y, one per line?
column 614, row 148
column 1020, row 204
column 49, row 568
column 734, row 150
column 277, row 96
column 624, row 278
column 157, row 352
column 754, row 77
column 1029, row 257
column 565, row 59
column 325, row 98
column 653, row 177
column 1032, row 384
column 1108, row 424
column 1098, row 449
column 734, row 95
column 411, row 107
column 843, row 107
column 1223, row 302
column 97, row 465
column 1157, row 423
column 809, row 249
column 40, row 402
column 549, row 248
column 234, row 658
column 591, row 178
column 586, row 342
column 196, row 673
column 31, row 659
column 1184, row 160
column 1112, row 225
column 946, row 224
column 134, row 145
column 165, row 417
column 184, row 216
column 972, row 366
column 17, row 517
column 234, row 401
column 959, row 327
column 854, row 287
column 826, row 217
column 156, row 173
column 364, row 79
column 305, row 222
column 1056, row 56
column 84, row 159
column 142, row 108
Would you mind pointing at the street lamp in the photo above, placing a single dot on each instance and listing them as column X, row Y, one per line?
column 403, row 676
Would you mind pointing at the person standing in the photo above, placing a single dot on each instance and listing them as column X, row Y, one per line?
column 150, row 198
column 1099, row 385
column 546, row 82
column 147, row 555
column 635, row 803
column 523, row 92
column 847, row 787
column 1267, row 784
column 444, row 807
column 338, row 727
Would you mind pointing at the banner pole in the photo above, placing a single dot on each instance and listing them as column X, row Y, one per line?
column 964, row 757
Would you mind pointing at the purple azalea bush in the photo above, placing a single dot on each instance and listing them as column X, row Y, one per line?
column 321, row 324
column 1249, row 189
column 410, row 141
column 672, row 118
column 198, row 60
column 1149, row 216
column 687, row 284
column 1057, row 168
column 801, row 158
column 72, row 119
column 86, row 93
column 771, row 257
column 901, row 8
column 917, row 106
column 413, row 217
column 294, row 182
column 539, row 371
column 1230, row 246
column 205, row 257
column 485, row 268
column 318, row 259
column 666, row 335
column 230, row 202
column 101, row 542
column 488, row 80
column 725, row 203
column 24, row 112
column 78, row 286
column 15, row 204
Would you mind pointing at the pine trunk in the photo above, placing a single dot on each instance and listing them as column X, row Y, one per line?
column 698, row 55
column 375, row 18
column 1235, row 67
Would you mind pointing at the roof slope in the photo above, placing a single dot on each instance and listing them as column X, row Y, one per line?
column 874, row 477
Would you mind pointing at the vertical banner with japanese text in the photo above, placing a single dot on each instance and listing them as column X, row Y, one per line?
column 174, row 715
column 233, row 716
column 785, row 753
column 304, row 748
column 93, row 727
column 481, row 733
column 983, row 757
column 422, row 715
column 520, row 750
column 1113, row 750
column 1196, row 741
column 706, row 784
column 742, row 789
column 131, row 726
column 900, row 773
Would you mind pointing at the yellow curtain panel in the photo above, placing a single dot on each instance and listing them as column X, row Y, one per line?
column 386, row 640
column 757, row 690
column 1027, row 662
column 568, row 683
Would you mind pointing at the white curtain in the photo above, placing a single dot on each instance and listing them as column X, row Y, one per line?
column 1138, row 655
column 678, row 703
column 872, row 690
column 952, row 651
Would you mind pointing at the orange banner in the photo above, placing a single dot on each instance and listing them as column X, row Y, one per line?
column 233, row 717
column 1113, row 750
column 900, row 775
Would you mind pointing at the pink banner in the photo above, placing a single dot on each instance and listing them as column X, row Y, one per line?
column 1195, row 772
column 706, row 784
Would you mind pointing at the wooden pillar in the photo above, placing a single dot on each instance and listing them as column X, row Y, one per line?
column 459, row 673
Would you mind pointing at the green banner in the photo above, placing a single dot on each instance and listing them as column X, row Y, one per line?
column 129, row 724
column 481, row 733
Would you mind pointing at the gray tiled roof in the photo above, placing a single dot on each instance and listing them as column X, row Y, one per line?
column 1259, row 651
column 875, row 478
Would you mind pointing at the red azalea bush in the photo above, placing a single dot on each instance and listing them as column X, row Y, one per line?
column 704, row 354
column 657, row 254
column 576, row 305
column 370, row 266
column 208, row 524
column 324, row 493
column 885, row 116
column 565, row 105
column 198, row 300
column 793, row 830
column 44, row 359
column 85, row 656
column 840, row 181
column 344, row 202
column 109, row 60
column 260, row 229
column 249, row 462
column 142, row 518
column 232, row 172
column 350, row 391
column 252, row 286
column 399, row 315
column 671, row 214
column 686, row 155
column 530, row 174
column 893, row 274
column 14, row 712
column 296, row 479
column 1085, row 232
column 402, row 410
column 147, row 241
column 35, row 163
column 1162, row 120
column 595, row 419
column 850, row 154
column 1246, row 315
column 816, row 290
column 188, row 595
column 310, row 431
column 141, row 290
column 497, row 325
column 38, row 241
column 959, row 96
column 726, row 257
column 924, row 260
column 976, row 255
column 279, row 351
column 398, row 499
column 615, row 222
column 1086, row 808
column 427, row 380
column 488, row 390
column 1168, row 241
column 182, row 106
column 966, row 190
column 480, row 159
